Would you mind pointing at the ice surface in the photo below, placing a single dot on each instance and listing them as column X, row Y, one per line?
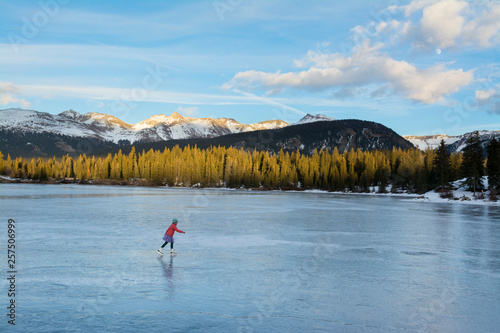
column 249, row 262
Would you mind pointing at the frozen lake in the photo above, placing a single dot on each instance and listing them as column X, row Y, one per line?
column 249, row 262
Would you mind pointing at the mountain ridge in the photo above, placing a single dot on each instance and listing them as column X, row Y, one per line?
column 454, row 143
column 32, row 126
column 109, row 128
column 34, row 133
column 344, row 135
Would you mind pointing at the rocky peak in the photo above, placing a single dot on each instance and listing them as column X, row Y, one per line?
column 176, row 115
column 70, row 114
column 309, row 118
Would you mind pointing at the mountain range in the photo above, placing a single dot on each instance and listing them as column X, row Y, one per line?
column 454, row 143
column 109, row 128
column 305, row 137
column 33, row 133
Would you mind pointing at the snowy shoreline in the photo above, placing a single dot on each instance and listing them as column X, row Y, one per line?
column 460, row 197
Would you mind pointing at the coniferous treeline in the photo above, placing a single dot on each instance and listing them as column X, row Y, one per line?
column 355, row 170
column 410, row 170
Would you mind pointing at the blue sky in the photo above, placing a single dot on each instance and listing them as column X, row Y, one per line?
column 419, row 67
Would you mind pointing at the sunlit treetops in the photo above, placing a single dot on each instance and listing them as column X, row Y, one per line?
column 410, row 170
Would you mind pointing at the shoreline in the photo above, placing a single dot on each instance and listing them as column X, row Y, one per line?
column 459, row 195
column 145, row 183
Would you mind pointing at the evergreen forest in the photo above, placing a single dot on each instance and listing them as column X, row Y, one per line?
column 410, row 170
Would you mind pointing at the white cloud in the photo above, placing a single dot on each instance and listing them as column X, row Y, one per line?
column 484, row 95
column 438, row 24
column 375, row 28
column 442, row 23
column 451, row 24
column 488, row 99
column 369, row 70
column 7, row 90
column 484, row 30
column 366, row 66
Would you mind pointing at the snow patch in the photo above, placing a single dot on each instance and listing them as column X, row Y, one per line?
column 309, row 118
column 460, row 195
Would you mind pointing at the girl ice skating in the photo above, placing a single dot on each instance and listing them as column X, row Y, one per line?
column 169, row 237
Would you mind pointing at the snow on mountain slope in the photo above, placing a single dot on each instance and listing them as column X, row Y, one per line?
column 70, row 114
column 109, row 128
column 102, row 120
column 454, row 143
column 156, row 120
column 161, row 127
column 268, row 124
column 309, row 118
column 35, row 121
column 430, row 141
column 484, row 138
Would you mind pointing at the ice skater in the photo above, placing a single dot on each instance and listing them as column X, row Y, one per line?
column 169, row 237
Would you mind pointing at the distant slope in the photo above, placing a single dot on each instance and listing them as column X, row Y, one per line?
column 430, row 141
column 453, row 143
column 19, row 144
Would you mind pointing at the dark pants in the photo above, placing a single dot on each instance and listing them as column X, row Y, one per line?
column 171, row 245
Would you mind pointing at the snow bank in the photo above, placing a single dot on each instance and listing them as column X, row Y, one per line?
column 460, row 195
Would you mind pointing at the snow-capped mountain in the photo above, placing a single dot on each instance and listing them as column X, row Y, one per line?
column 484, row 137
column 453, row 143
column 32, row 133
column 108, row 128
column 307, row 138
column 26, row 126
column 309, row 118
column 430, row 141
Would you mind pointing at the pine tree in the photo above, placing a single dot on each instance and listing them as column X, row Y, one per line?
column 67, row 166
column 442, row 166
column 105, row 169
column 407, row 170
column 94, row 168
column 116, row 166
column 368, row 175
column 128, row 164
column 137, row 173
column 352, row 176
column 41, row 170
column 1, row 163
column 382, row 171
column 8, row 166
column 456, row 162
column 473, row 164
column 493, row 164
column 343, row 173
column 20, row 168
column 53, row 168
column 32, row 170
